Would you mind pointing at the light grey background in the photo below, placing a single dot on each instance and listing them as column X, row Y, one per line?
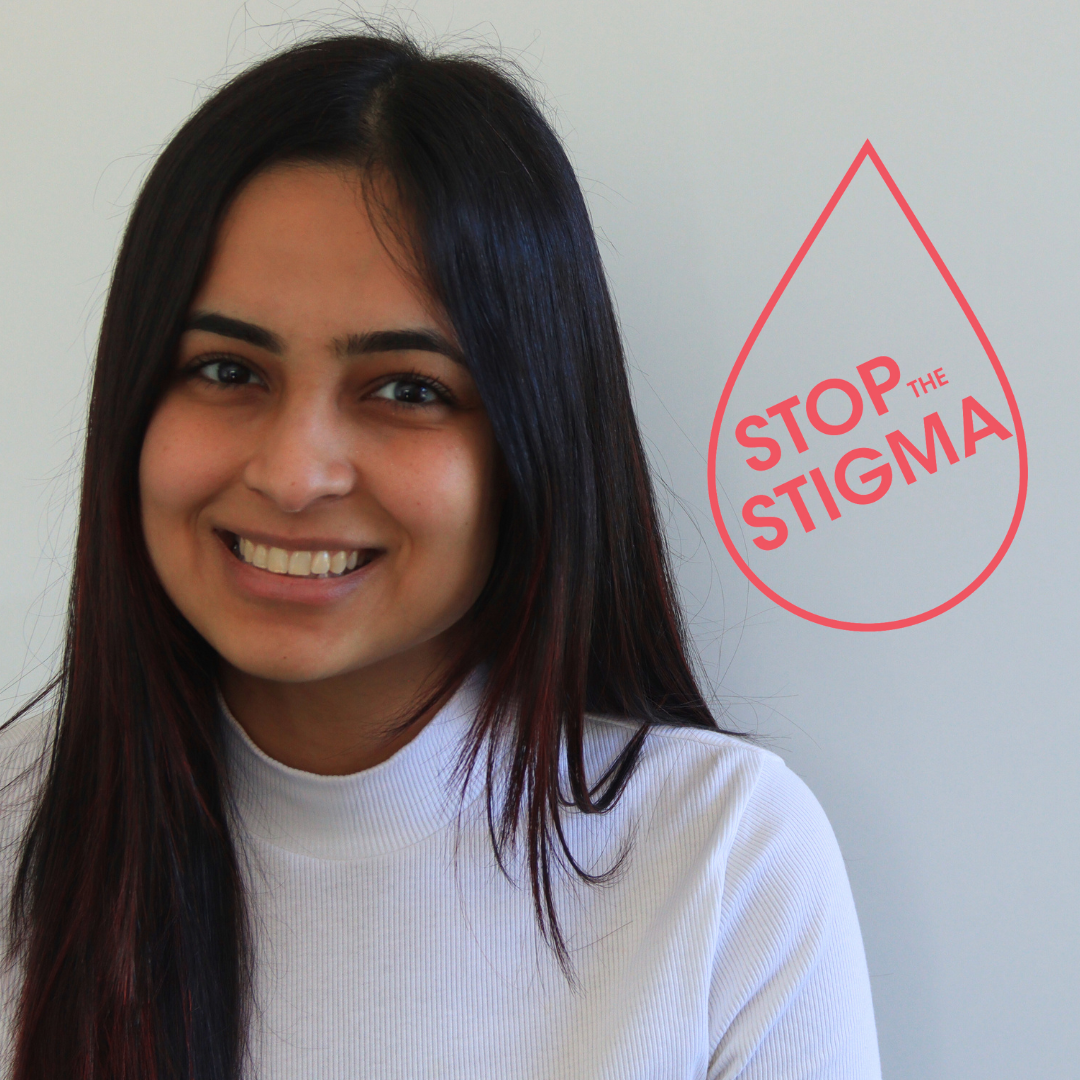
column 709, row 136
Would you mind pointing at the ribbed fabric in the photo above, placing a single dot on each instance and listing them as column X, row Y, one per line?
column 388, row 944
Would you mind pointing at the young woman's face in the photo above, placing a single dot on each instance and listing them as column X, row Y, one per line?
column 319, row 483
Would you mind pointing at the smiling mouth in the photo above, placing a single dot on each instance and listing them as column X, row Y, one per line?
column 297, row 563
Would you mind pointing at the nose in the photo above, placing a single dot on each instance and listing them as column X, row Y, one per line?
column 301, row 457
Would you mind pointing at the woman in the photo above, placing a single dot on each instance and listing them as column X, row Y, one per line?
column 377, row 751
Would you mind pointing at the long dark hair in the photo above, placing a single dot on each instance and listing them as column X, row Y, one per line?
column 128, row 910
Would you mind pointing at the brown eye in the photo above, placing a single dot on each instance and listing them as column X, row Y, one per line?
column 229, row 373
column 410, row 391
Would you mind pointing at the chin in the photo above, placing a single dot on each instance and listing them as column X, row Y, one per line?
column 296, row 665
column 295, row 655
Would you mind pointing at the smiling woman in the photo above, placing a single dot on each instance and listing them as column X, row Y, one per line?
column 337, row 512
column 371, row 623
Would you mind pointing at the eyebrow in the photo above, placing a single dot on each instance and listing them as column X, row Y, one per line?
column 224, row 326
column 352, row 345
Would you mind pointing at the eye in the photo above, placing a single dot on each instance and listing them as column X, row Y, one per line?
column 410, row 390
column 227, row 372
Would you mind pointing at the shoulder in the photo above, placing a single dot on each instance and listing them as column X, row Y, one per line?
column 742, row 814
column 729, row 821
column 727, row 788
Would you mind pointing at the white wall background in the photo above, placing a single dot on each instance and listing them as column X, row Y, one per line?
column 709, row 136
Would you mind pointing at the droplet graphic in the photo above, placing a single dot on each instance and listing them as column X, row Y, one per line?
column 867, row 464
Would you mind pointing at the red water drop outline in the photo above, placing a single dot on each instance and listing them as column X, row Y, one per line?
column 868, row 151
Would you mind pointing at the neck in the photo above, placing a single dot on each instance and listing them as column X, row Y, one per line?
column 342, row 724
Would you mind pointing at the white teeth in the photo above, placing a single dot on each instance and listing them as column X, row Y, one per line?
column 296, row 563
column 277, row 561
column 300, row 563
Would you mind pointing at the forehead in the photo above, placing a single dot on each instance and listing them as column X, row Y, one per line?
column 298, row 244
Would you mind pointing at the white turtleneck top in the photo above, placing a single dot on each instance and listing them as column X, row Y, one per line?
column 388, row 943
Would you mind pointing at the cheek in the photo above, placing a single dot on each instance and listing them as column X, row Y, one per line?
column 184, row 462
column 443, row 496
